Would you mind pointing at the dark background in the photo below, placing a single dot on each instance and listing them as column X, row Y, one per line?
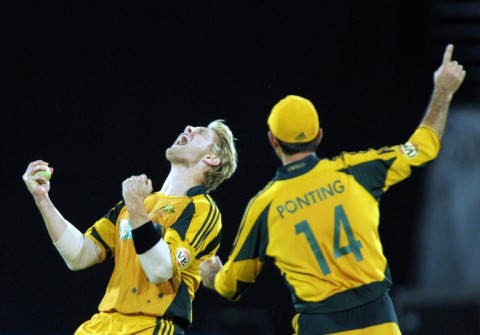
column 100, row 89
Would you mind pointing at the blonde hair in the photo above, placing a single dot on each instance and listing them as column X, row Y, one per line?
column 224, row 148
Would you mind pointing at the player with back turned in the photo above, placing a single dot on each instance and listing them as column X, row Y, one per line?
column 318, row 219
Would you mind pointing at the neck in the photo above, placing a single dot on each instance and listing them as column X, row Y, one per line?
column 287, row 159
column 180, row 180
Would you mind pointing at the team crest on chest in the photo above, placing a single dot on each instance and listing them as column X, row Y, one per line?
column 169, row 209
column 125, row 230
column 183, row 258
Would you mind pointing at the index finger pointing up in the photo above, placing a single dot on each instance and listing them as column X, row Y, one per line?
column 447, row 56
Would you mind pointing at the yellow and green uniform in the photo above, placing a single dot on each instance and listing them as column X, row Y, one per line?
column 191, row 225
column 318, row 219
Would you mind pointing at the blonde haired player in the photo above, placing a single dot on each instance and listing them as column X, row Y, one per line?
column 158, row 239
column 318, row 219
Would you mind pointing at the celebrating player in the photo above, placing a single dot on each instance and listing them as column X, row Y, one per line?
column 158, row 239
column 318, row 219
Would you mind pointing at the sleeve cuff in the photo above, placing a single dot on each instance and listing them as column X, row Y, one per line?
column 145, row 237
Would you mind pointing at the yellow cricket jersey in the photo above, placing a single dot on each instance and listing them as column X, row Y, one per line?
column 318, row 219
column 191, row 225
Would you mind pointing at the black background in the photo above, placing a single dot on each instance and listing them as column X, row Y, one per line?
column 100, row 89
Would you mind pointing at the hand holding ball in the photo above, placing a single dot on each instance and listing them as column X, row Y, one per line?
column 47, row 174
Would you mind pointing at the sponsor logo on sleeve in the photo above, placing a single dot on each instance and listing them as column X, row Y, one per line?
column 409, row 150
column 183, row 258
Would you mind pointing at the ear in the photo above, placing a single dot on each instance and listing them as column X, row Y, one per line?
column 211, row 160
column 273, row 140
column 319, row 136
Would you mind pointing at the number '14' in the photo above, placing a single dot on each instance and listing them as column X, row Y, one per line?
column 340, row 224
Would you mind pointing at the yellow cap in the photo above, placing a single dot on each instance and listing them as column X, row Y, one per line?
column 294, row 120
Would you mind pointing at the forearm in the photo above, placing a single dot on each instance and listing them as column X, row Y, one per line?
column 153, row 253
column 228, row 284
column 54, row 221
column 77, row 251
column 437, row 111
column 447, row 79
column 137, row 213
column 233, row 279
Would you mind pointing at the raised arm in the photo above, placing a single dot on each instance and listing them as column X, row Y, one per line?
column 152, row 250
column 447, row 79
column 77, row 250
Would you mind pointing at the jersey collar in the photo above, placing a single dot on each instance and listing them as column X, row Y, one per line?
column 196, row 190
column 297, row 168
